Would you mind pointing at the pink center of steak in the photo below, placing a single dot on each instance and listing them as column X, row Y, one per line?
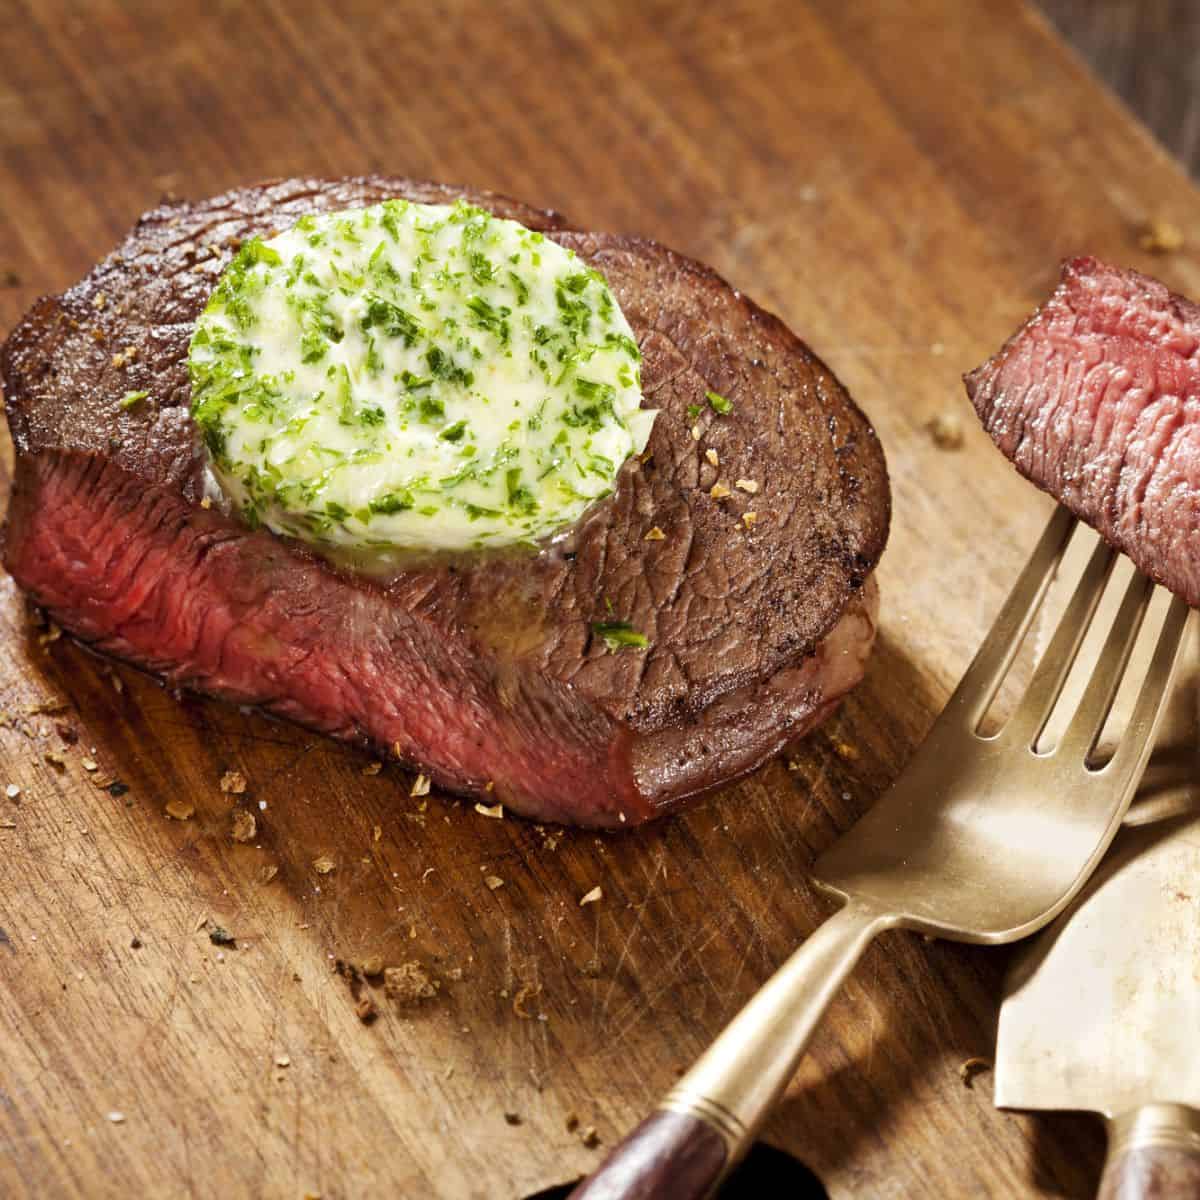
column 1096, row 399
column 488, row 671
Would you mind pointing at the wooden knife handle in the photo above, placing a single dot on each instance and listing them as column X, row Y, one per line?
column 669, row 1154
column 1153, row 1154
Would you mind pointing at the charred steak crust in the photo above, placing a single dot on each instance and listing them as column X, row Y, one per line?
column 487, row 673
column 1095, row 399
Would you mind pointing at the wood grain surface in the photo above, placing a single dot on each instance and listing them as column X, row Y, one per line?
column 899, row 183
column 1148, row 51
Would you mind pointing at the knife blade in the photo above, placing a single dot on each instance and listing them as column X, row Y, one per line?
column 1102, row 1012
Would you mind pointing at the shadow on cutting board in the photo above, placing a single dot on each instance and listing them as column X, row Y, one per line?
column 765, row 1171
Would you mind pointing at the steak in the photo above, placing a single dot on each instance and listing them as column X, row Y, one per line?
column 1096, row 399
column 487, row 674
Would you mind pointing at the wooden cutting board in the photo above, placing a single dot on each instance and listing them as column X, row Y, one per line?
column 898, row 182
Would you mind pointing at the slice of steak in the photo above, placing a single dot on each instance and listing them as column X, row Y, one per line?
column 1096, row 399
column 487, row 675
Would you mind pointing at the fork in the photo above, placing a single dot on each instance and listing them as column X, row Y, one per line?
column 982, row 838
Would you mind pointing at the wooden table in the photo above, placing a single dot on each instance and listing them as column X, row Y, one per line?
column 899, row 183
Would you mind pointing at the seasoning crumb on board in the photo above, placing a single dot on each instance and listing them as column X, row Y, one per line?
column 180, row 810
column 972, row 1067
column 267, row 872
column 420, row 786
column 243, row 826
column 590, row 1138
column 365, row 1010
column 282, row 1060
column 409, row 983
column 233, row 783
column 324, row 865
column 946, row 429
column 372, row 768
column 220, row 936
column 591, row 897
column 1160, row 237
column 116, row 1117
column 572, row 1122
column 495, row 811
column 13, row 791
column 512, row 1118
column 526, row 992
column 493, row 882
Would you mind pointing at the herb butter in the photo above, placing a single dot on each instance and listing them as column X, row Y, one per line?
column 414, row 376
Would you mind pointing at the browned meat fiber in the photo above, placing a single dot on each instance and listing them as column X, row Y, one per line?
column 488, row 675
column 1096, row 399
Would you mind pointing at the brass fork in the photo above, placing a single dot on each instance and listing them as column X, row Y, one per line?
column 981, row 839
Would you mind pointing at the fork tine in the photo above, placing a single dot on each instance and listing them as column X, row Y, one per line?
column 1046, row 686
column 1083, row 731
column 1137, row 740
column 987, row 670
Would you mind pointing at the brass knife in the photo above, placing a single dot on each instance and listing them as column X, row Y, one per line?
column 1102, row 1012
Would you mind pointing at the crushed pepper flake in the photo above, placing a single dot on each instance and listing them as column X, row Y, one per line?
column 696, row 434
column 180, row 810
column 233, row 783
column 972, row 1067
column 493, row 882
column 713, row 457
column 243, row 827
column 719, row 491
column 89, row 764
column 597, row 893
column 1160, row 237
column 377, row 833
column 420, row 786
column 365, row 1010
column 946, row 430
column 282, row 1060
column 655, row 535
column 526, row 992
column 409, row 983
column 372, row 768
column 749, row 518
column 206, row 502
column 747, row 485
column 496, row 811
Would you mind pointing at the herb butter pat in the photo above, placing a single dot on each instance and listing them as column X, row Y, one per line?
column 415, row 376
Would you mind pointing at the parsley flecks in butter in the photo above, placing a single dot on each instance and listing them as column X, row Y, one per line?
column 415, row 376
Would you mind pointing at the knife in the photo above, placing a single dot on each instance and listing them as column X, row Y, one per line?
column 1102, row 1012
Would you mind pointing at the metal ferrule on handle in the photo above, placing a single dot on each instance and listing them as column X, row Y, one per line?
column 733, row 1086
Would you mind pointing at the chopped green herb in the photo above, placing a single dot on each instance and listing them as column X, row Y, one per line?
column 131, row 398
column 719, row 403
column 620, row 635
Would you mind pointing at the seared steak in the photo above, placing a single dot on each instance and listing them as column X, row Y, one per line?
column 487, row 675
column 1096, row 399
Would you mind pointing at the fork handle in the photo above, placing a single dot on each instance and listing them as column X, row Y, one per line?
column 1153, row 1154
column 707, row 1121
